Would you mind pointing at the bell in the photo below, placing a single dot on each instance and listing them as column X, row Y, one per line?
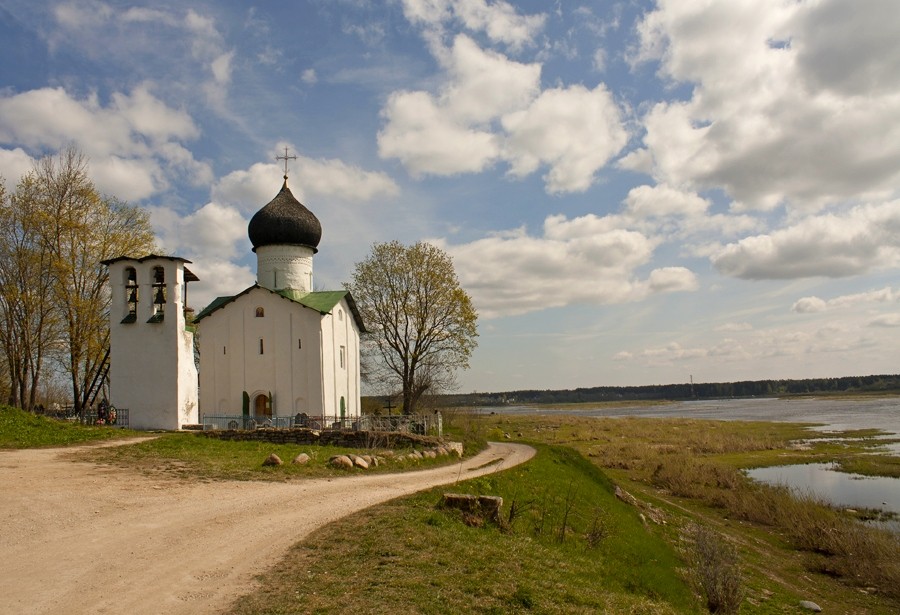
column 160, row 297
column 132, row 298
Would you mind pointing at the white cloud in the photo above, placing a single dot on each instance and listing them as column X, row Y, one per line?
column 574, row 130
column 498, row 20
column 127, row 141
column 250, row 189
column 830, row 245
column 576, row 261
column 215, row 231
column 309, row 76
column 784, row 110
column 661, row 200
column 491, row 108
column 334, row 178
column 807, row 305
column 734, row 327
column 218, row 278
column 14, row 164
column 885, row 320
column 672, row 279
column 426, row 140
column 221, row 68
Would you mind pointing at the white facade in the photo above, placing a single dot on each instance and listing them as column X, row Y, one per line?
column 290, row 354
column 152, row 370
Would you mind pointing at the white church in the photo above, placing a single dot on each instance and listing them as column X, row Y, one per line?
column 273, row 351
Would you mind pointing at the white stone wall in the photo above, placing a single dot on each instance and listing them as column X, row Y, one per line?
column 152, row 371
column 300, row 363
column 284, row 266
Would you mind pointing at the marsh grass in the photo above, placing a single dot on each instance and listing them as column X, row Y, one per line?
column 699, row 461
column 20, row 429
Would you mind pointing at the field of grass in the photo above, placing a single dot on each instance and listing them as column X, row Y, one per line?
column 564, row 543
column 19, row 429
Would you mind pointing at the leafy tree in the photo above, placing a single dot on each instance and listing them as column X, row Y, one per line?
column 422, row 324
column 70, row 229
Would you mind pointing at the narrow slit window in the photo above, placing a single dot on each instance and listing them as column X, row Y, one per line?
column 343, row 356
column 261, row 347
column 223, row 350
column 299, row 344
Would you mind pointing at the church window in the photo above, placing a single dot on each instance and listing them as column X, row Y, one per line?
column 340, row 314
column 261, row 348
column 223, row 350
column 343, row 356
column 299, row 344
column 260, row 312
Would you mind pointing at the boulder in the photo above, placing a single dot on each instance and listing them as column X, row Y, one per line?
column 486, row 506
column 430, row 454
column 455, row 447
column 301, row 459
column 273, row 460
column 367, row 459
column 359, row 462
column 341, row 461
column 810, row 606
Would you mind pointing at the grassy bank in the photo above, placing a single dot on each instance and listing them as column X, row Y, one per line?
column 564, row 544
column 20, row 429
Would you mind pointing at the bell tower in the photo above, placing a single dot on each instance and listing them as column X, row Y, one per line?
column 152, row 370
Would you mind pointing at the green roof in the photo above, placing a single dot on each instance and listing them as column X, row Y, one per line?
column 320, row 301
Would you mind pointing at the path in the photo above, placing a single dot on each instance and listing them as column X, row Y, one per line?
column 82, row 538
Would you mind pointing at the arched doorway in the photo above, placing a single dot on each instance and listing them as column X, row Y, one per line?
column 261, row 406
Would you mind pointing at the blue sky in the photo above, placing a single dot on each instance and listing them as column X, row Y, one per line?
column 633, row 192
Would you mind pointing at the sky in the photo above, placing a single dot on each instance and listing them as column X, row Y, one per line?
column 632, row 192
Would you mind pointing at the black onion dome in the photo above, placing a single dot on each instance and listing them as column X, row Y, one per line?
column 284, row 221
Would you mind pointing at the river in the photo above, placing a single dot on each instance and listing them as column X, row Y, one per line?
column 828, row 414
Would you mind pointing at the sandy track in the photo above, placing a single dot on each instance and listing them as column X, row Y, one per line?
column 81, row 538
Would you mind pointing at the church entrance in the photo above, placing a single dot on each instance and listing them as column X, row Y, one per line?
column 261, row 406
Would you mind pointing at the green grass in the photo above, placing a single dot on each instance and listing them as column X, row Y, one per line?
column 191, row 456
column 573, row 547
column 20, row 429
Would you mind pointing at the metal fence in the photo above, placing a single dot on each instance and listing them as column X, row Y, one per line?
column 117, row 417
column 422, row 424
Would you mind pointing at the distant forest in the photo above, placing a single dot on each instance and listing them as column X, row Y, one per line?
column 699, row 390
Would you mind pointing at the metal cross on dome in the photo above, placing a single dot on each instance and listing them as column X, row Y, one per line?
column 285, row 158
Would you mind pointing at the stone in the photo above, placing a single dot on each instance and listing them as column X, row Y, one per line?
column 430, row 454
column 810, row 606
column 273, row 460
column 301, row 459
column 367, row 459
column 455, row 447
column 359, row 462
column 441, row 451
column 341, row 461
column 487, row 506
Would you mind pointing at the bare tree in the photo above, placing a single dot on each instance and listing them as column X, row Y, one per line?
column 422, row 323
column 28, row 320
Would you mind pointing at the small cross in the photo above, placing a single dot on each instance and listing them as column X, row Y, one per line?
column 285, row 158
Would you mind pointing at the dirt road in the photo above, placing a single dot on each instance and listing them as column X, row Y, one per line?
column 82, row 538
